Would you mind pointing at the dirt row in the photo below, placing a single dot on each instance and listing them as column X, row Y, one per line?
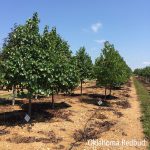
column 75, row 120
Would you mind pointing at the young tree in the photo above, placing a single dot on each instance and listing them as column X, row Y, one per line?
column 84, row 64
column 110, row 68
column 60, row 68
column 21, row 57
column 11, row 61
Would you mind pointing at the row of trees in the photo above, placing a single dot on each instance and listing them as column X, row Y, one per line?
column 44, row 64
column 143, row 73
column 41, row 64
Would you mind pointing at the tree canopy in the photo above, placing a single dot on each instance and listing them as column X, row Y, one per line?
column 43, row 64
column 84, row 65
column 143, row 73
column 110, row 68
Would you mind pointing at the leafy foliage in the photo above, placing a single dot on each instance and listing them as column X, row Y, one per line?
column 59, row 73
column 110, row 68
column 84, row 65
column 43, row 64
column 21, row 55
column 143, row 73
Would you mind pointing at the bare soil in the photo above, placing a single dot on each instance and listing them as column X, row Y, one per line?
column 75, row 120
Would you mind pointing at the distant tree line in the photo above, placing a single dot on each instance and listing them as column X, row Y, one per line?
column 43, row 64
column 143, row 73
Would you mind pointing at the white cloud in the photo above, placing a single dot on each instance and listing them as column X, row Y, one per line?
column 100, row 41
column 95, row 27
column 146, row 62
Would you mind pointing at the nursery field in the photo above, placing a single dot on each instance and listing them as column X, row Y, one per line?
column 75, row 120
column 74, row 75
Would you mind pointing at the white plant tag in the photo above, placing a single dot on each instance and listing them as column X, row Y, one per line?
column 27, row 118
column 100, row 102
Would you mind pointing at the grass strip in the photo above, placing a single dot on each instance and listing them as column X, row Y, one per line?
column 144, row 97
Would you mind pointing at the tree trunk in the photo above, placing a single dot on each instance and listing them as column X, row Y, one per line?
column 14, row 94
column 110, row 91
column 81, row 86
column 30, row 103
column 36, row 96
column 53, row 100
column 145, row 79
column 105, row 93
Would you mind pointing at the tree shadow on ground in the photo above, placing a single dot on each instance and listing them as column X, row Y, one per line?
column 100, row 96
column 93, row 87
column 45, row 105
column 117, row 88
column 5, row 101
column 41, row 112
column 95, row 101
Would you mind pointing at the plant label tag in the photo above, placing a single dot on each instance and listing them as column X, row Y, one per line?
column 100, row 102
column 27, row 118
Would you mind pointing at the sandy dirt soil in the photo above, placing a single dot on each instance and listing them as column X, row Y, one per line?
column 75, row 120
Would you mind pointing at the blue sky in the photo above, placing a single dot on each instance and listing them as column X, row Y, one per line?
column 125, row 23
